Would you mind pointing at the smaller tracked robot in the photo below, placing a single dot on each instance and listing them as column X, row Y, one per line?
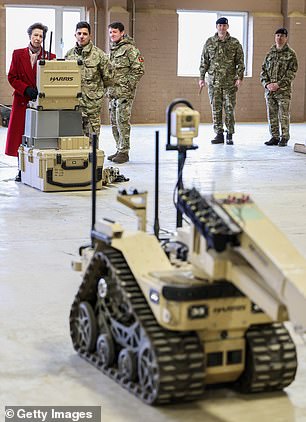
column 165, row 319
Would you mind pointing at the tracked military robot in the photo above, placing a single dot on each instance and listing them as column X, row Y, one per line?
column 165, row 319
column 54, row 155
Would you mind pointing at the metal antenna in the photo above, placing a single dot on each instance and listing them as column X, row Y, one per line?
column 156, row 218
column 50, row 45
column 93, row 183
column 43, row 48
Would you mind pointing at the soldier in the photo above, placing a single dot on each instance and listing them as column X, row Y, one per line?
column 96, row 75
column 128, row 67
column 223, row 61
column 278, row 71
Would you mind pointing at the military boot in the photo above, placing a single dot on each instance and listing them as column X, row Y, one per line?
column 121, row 157
column 273, row 141
column 18, row 176
column 110, row 157
column 218, row 139
column 283, row 142
column 229, row 139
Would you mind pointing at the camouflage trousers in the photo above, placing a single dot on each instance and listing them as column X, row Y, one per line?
column 120, row 110
column 223, row 98
column 91, row 120
column 278, row 115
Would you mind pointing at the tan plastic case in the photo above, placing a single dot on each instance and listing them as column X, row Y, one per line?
column 53, row 170
column 59, row 85
column 73, row 142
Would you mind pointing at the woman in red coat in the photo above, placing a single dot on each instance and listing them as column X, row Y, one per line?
column 22, row 77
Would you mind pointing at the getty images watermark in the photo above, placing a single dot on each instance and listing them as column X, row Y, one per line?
column 53, row 413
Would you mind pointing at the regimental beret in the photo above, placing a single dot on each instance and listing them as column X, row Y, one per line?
column 282, row 31
column 222, row 21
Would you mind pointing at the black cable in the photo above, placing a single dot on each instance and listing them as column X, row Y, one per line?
column 175, row 189
column 176, row 185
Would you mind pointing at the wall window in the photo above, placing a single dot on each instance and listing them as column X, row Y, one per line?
column 194, row 27
column 60, row 20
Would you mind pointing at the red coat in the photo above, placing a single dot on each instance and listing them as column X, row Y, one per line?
column 21, row 75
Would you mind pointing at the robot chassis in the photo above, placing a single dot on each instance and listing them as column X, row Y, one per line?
column 164, row 330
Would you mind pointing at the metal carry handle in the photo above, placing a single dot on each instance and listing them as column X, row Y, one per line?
column 84, row 166
column 70, row 185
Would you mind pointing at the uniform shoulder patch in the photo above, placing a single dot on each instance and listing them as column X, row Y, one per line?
column 141, row 59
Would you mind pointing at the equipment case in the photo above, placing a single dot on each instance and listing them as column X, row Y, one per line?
column 52, row 123
column 53, row 170
column 58, row 84
column 39, row 143
column 73, row 142
column 65, row 142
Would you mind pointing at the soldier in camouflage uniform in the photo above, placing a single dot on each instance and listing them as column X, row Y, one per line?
column 223, row 61
column 96, row 75
column 128, row 66
column 278, row 71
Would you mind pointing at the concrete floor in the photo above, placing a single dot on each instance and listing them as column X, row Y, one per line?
column 41, row 233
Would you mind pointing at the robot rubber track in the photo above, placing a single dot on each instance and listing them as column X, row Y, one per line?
column 170, row 364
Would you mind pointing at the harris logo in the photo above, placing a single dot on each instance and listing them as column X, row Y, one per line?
column 61, row 79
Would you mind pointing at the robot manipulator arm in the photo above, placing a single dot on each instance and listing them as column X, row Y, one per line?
column 209, row 219
column 258, row 258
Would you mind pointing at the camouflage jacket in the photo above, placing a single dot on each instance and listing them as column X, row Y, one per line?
column 96, row 73
column 222, row 60
column 280, row 65
column 128, row 66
